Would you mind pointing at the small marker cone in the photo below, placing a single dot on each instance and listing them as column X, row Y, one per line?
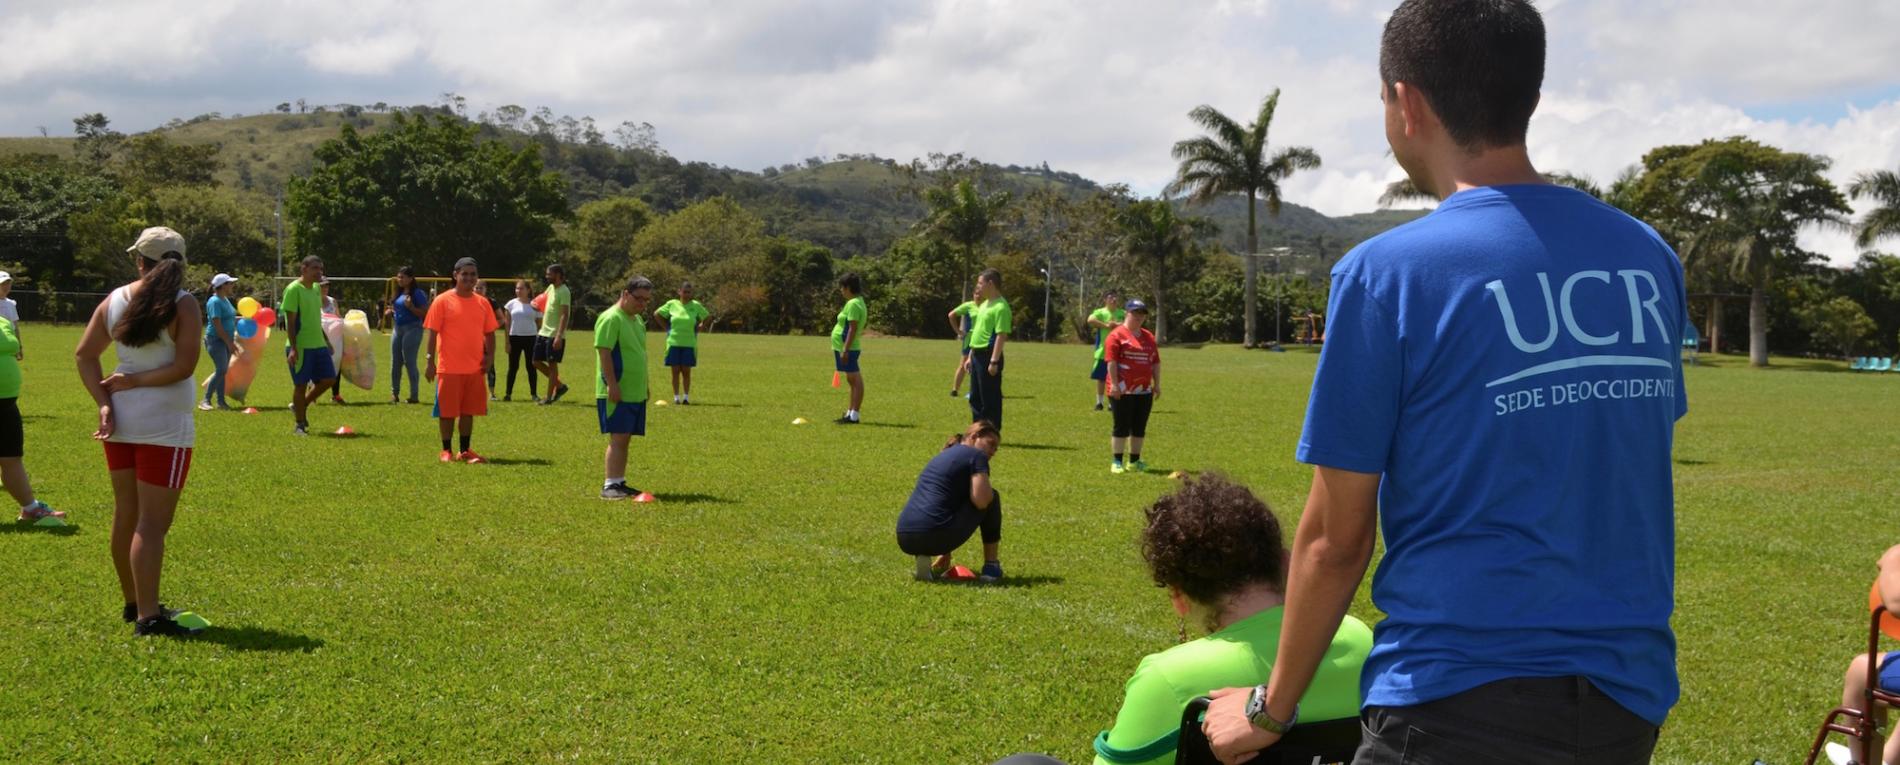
column 659, row 402
column 250, row 410
column 643, row 497
column 50, row 522
column 834, row 379
column 1177, row 475
column 345, row 431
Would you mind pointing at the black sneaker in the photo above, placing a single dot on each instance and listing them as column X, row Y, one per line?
column 162, row 625
column 1098, row 407
column 617, row 491
column 558, row 393
column 846, row 420
column 131, row 612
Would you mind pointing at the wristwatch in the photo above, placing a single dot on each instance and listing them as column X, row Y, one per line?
column 1257, row 713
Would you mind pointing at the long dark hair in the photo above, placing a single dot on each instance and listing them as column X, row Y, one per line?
column 152, row 310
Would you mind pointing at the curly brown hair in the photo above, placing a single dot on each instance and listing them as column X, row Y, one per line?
column 1212, row 538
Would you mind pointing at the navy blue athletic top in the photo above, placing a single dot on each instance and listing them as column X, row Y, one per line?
column 943, row 489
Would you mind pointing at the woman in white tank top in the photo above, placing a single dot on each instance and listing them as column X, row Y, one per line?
column 145, row 417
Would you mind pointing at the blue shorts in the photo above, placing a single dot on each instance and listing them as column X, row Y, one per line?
column 317, row 365
column 681, row 356
column 846, row 362
column 626, row 417
column 1890, row 671
column 1101, row 370
column 966, row 351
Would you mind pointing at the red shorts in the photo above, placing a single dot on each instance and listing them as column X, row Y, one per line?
column 461, row 395
column 164, row 466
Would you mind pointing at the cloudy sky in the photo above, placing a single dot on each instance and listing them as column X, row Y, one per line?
column 1098, row 87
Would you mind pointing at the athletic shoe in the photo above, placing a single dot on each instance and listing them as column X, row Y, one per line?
column 131, row 612
column 558, row 393
column 38, row 511
column 954, row 393
column 846, row 420
column 1138, row 466
column 204, row 406
column 1116, row 467
column 163, row 625
column 684, row 401
column 447, row 456
column 509, row 397
column 471, row 458
column 395, row 399
column 413, row 401
column 616, row 492
column 301, row 430
column 992, row 572
column 1098, row 406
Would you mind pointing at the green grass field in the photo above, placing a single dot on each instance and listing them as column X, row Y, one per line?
column 373, row 605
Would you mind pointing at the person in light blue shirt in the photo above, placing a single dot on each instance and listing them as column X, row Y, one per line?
column 220, row 338
column 1498, row 391
column 405, row 341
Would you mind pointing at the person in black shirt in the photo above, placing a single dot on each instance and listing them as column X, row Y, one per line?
column 952, row 500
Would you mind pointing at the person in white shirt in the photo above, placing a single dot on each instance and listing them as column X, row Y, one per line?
column 523, row 323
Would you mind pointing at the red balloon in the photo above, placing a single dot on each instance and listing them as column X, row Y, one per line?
column 265, row 317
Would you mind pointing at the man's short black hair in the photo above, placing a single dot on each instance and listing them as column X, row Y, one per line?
column 556, row 269
column 1479, row 63
column 992, row 276
column 638, row 283
column 465, row 263
column 312, row 262
column 853, row 282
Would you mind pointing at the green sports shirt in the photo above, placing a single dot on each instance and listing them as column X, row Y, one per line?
column 624, row 337
column 1112, row 317
column 682, row 322
column 306, row 303
column 853, row 311
column 992, row 318
column 559, row 296
column 9, row 368
column 968, row 312
column 1240, row 656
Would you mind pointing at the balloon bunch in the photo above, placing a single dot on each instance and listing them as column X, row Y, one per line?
column 253, row 316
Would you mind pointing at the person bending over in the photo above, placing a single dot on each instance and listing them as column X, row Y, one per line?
column 953, row 498
column 1854, row 689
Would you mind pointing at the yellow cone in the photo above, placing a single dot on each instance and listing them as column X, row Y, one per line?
column 798, row 420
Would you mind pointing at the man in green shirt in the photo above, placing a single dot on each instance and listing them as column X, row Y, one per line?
column 682, row 318
column 1104, row 320
column 847, row 340
column 960, row 320
column 551, row 344
column 620, row 383
column 312, row 369
column 988, row 332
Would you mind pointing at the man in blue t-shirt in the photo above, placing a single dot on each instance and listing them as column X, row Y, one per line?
column 1498, row 389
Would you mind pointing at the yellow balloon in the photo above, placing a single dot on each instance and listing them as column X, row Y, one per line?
column 247, row 306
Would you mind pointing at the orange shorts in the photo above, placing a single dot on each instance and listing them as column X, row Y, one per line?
column 461, row 395
column 164, row 466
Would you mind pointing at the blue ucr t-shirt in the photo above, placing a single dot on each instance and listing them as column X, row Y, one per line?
column 1511, row 364
column 219, row 311
column 942, row 489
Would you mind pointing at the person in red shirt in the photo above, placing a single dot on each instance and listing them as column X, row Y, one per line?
column 1134, row 384
column 460, row 328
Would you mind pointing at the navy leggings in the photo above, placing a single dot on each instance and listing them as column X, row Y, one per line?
column 949, row 537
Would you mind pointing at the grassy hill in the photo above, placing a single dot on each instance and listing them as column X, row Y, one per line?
column 853, row 206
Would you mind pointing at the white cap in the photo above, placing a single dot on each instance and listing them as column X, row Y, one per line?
column 5, row 277
column 154, row 242
column 221, row 280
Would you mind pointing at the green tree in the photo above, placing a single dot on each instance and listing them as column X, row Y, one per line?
column 1883, row 188
column 1739, row 204
column 149, row 160
column 424, row 192
column 598, row 243
column 701, row 234
column 1839, row 323
column 1152, row 237
column 1233, row 159
column 961, row 216
column 39, row 195
column 798, row 277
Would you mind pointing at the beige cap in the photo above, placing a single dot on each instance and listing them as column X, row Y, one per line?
column 154, row 242
column 5, row 277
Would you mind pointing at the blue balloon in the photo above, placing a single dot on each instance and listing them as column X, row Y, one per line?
column 247, row 328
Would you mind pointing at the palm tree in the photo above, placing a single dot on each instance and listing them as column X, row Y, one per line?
column 1152, row 235
column 1736, row 203
column 1234, row 160
column 963, row 217
column 1404, row 190
column 1883, row 187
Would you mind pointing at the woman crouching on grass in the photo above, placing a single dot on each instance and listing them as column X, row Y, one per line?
column 953, row 498
column 145, row 411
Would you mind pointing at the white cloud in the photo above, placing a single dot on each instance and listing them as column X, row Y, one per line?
column 1100, row 88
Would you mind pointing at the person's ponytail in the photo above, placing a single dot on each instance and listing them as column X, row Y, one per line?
column 155, row 306
column 978, row 431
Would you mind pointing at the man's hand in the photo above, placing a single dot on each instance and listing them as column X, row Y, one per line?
column 613, row 393
column 428, row 372
column 1229, row 733
column 1157, row 392
column 559, row 342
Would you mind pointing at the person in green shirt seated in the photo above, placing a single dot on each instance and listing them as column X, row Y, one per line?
column 1218, row 551
column 683, row 318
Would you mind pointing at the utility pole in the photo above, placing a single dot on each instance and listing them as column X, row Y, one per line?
column 1279, row 291
column 1046, row 277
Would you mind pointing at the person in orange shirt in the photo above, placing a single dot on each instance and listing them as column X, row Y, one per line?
column 1134, row 382
column 460, row 328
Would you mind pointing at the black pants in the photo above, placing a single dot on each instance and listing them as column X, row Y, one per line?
column 986, row 391
column 1131, row 415
column 520, row 346
column 944, row 539
column 1522, row 721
